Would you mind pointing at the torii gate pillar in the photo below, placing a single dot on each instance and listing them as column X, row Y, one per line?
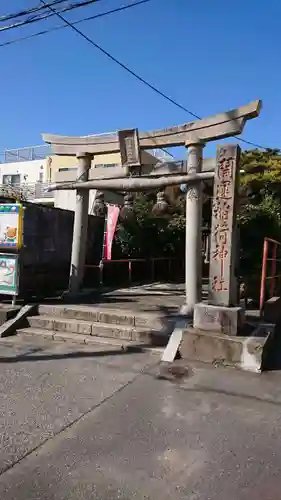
column 193, row 243
column 80, row 225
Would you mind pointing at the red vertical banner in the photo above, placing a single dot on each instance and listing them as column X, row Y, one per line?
column 111, row 223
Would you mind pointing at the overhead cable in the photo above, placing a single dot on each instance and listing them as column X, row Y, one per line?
column 46, row 15
column 64, row 26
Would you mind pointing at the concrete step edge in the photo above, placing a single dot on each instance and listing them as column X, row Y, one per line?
column 95, row 329
column 77, row 337
column 36, row 331
column 95, row 324
column 69, row 312
column 60, row 319
column 100, row 308
column 85, row 339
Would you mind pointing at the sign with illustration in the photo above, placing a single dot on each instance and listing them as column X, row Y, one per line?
column 8, row 274
column 11, row 225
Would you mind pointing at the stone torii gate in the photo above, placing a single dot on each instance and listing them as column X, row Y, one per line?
column 132, row 176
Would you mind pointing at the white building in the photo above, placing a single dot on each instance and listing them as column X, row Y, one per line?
column 26, row 173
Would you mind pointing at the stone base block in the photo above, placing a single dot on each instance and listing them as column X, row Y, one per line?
column 245, row 353
column 218, row 319
column 272, row 310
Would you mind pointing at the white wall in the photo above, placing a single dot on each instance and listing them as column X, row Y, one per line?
column 29, row 169
column 66, row 199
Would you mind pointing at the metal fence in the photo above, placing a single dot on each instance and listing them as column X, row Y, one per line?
column 26, row 191
column 271, row 271
column 25, row 154
column 129, row 271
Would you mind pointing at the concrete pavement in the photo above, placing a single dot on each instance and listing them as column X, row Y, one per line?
column 83, row 423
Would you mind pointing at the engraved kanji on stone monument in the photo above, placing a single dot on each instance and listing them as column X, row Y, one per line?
column 224, row 212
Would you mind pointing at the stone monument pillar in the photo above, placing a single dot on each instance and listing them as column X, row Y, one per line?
column 80, row 226
column 193, row 246
column 222, row 313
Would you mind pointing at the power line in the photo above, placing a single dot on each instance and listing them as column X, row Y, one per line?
column 126, row 68
column 44, row 15
column 50, row 6
column 252, row 143
column 138, row 77
column 21, row 13
column 85, row 19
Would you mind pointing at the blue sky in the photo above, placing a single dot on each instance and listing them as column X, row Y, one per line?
column 209, row 55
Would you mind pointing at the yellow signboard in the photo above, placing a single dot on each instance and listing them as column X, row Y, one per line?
column 11, row 226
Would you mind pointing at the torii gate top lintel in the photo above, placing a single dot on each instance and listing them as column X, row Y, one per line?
column 216, row 127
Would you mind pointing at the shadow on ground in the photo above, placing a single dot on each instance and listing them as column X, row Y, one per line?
column 33, row 354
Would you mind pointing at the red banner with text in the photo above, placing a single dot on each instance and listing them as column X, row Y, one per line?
column 111, row 223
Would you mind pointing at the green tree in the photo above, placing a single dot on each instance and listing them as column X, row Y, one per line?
column 149, row 236
column 256, row 222
column 262, row 174
column 260, row 209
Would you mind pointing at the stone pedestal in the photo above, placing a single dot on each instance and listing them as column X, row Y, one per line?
column 218, row 319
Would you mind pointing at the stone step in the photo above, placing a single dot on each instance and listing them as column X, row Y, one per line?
column 82, row 327
column 218, row 349
column 77, row 338
column 104, row 314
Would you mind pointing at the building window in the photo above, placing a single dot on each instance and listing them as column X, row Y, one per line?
column 106, row 165
column 41, row 176
column 67, row 169
column 12, row 180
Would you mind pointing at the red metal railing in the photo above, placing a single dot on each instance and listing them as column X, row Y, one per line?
column 271, row 270
column 167, row 265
